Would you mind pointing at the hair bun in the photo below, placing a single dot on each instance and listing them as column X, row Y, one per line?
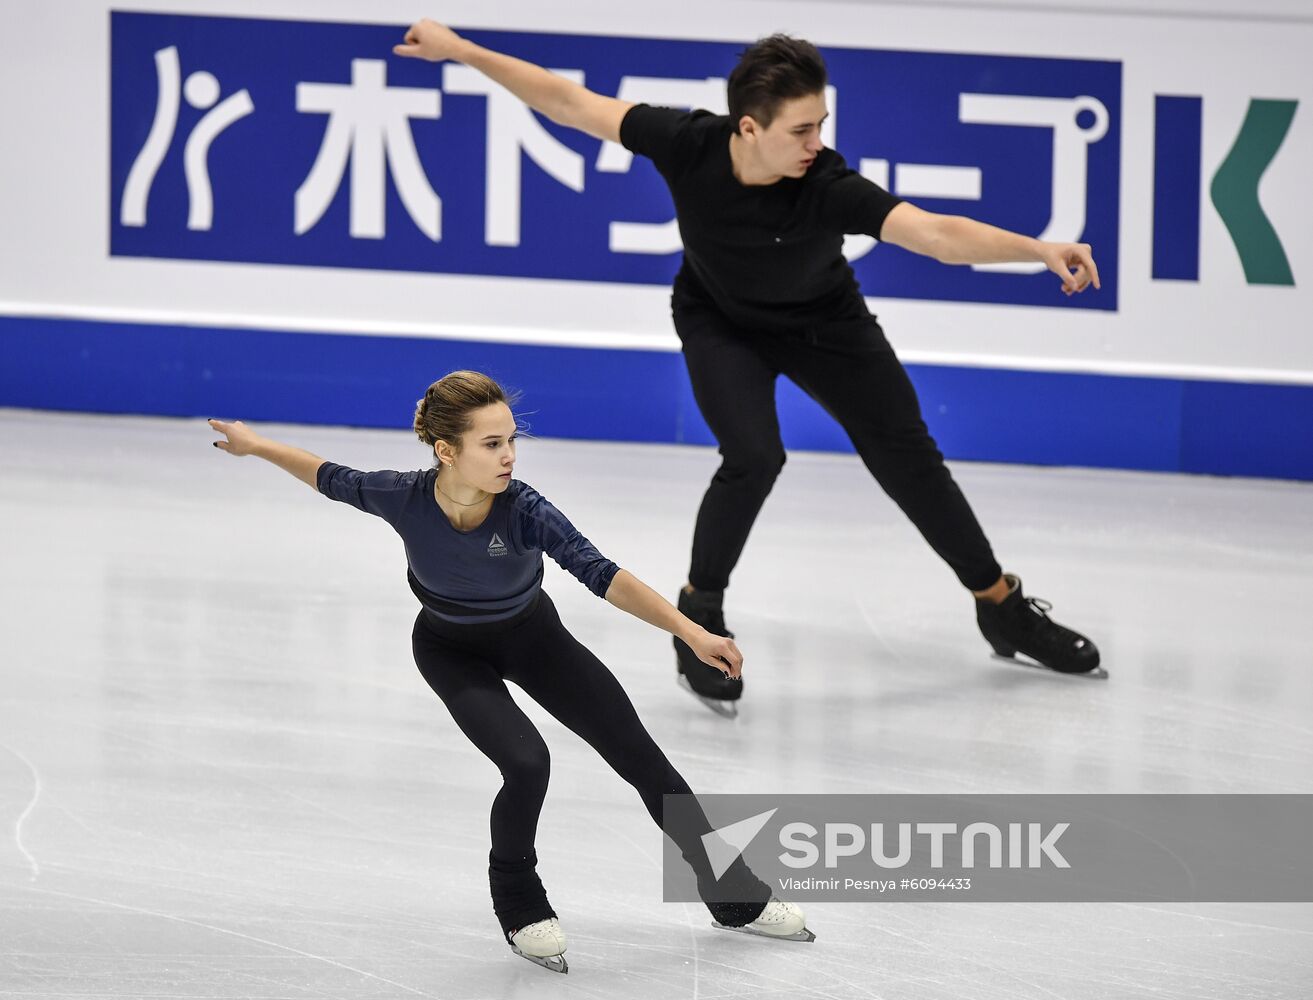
column 421, row 417
column 443, row 414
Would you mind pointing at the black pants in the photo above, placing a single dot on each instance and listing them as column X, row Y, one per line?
column 468, row 665
column 851, row 371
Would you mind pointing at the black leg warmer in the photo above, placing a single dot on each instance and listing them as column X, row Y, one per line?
column 736, row 898
column 518, row 897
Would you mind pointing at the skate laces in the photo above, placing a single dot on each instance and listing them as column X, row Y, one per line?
column 539, row 929
column 1050, row 633
column 1038, row 622
column 1040, row 606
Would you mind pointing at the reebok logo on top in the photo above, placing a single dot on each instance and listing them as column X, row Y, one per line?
column 496, row 547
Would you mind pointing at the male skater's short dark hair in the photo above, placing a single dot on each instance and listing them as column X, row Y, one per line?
column 771, row 71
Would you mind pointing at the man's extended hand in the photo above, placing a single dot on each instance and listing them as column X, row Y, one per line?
column 1073, row 263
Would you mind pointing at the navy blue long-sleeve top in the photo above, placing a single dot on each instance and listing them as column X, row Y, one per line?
column 487, row 574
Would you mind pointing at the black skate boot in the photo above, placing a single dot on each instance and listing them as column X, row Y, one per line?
column 716, row 690
column 1020, row 624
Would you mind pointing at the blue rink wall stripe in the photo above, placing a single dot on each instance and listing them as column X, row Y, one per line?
column 983, row 414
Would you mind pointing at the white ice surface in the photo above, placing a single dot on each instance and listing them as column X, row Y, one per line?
column 221, row 775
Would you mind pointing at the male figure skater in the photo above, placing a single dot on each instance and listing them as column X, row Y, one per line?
column 764, row 290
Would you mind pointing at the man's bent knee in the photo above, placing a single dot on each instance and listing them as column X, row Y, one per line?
column 760, row 470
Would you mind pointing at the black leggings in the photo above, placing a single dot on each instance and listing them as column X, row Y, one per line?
column 468, row 665
column 852, row 372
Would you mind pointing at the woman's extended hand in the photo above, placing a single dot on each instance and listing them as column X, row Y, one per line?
column 241, row 440
column 717, row 651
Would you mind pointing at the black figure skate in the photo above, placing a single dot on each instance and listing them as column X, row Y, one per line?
column 718, row 691
column 1021, row 624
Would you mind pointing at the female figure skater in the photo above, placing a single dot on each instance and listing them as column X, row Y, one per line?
column 474, row 541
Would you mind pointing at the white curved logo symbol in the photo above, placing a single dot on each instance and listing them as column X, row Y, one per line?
column 1070, row 157
column 201, row 91
column 964, row 183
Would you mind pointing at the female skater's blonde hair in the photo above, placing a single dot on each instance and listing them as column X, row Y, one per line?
column 444, row 412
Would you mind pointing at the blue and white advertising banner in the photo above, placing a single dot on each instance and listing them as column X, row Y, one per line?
column 287, row 142
column 254, row 206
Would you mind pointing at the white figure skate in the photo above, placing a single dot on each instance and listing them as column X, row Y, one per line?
column 780, row 920
column 542, row 943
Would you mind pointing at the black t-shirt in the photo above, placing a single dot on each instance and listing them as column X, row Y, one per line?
column 767, row 255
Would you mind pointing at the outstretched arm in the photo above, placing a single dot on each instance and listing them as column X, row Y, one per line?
column 628, row 593
column 241, row 440
column 563, row 101
column 955, row 239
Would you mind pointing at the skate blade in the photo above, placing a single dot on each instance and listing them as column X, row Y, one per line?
column 552, row 963
column 725, row 709
column 1097, row 674
column 803, row 935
